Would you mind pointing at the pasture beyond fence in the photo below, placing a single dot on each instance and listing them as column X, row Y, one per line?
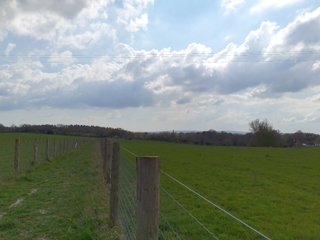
column 22, row 152
column 145, row 201
column 146, row 208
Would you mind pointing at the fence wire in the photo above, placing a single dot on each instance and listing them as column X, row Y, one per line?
column 57, row 145
column 184, row 213
column 214, row 221
column 176, row 222
column 127, row 197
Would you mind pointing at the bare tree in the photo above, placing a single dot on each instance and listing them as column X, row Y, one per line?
column 263, row 134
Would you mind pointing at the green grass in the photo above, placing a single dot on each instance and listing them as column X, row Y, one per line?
column 7, row 149
column 65, row 198
column 275, row 190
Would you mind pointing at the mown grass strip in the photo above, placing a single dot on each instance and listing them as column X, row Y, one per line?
column 63, row 199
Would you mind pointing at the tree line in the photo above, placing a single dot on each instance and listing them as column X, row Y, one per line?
column 75, row 130
column 261, row 134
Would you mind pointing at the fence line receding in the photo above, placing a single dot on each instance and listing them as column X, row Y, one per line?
column 177, row 220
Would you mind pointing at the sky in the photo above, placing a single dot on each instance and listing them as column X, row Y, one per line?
column 156, row 65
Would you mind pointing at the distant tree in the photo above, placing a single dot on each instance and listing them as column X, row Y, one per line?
column 263, row 134
column 2, row 128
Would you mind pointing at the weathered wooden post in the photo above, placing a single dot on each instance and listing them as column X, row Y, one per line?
column 47, row 150
column 148, row 198
column 35, row 151
column 54, row 147
column 114, row 185
column 101, row 147
column 16, row 155
column 109, row 154
column 104, row 156
column 61, row 146
column 64, row 145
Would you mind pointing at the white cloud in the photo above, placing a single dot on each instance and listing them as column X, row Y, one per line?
column 85, row 39
column 78, row 24
column 231, row 5
column 66, row 9
column 164, row 76
column 38, row 19
column 316, row 66
column 6, row 15
column 138, row 23
column 38, row 26
column 61, row 58
column 9, row 48
column 273, row 67
column 228, row 38
column 302, row 33
column 132, row 15
column 264, row 5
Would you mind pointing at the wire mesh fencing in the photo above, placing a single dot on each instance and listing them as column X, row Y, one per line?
column 184, row 213
column 20, row 153
column 200, row 218
column 127, row 197
column 176, row 222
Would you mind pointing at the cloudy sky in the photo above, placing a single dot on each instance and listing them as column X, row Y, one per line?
column 148, row 65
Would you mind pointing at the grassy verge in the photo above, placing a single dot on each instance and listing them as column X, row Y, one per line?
column 63, row 199
column 57, row 145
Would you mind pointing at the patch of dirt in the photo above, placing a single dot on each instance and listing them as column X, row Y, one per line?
column 33, row 190
column 43, row 238
column 16, row 203
column 43, row 211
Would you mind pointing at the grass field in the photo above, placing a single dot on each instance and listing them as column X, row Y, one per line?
column 65, row 198
column 57, row 145
column 275, row 190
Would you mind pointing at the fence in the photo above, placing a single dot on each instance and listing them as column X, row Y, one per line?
column 22, row 152
column 137, row 218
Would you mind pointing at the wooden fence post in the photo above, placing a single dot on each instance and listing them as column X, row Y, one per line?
column 148, row 198
column 109, row 154
column 47, row 150
column 104, row 156
column 35, row 151
column 64, row 145
column 114, row 185
column 16, row 155
column 61, row 146
column 54, row 147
